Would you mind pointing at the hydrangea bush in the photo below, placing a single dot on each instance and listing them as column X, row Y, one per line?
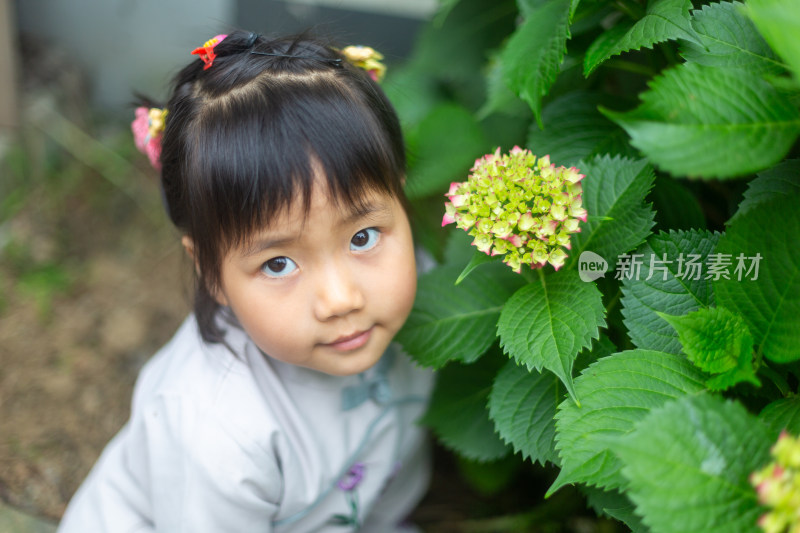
column 635, row 332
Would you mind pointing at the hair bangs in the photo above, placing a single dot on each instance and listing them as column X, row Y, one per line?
column 257, row 168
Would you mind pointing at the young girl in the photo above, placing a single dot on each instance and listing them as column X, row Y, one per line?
column 280, row 404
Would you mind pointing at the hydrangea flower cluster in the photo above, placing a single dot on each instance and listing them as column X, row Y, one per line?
column 518, row 206
column 778, row 487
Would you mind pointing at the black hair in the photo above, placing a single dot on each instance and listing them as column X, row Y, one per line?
column 245, row 138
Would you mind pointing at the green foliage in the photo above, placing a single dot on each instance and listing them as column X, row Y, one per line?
column 701, row 121
column 779, row 23
column 682, row 118
column 436, row 166
column 532, row 56
column 540, row 325
column 769, row 302
column 729, row 39
column 782, row 414
column 664, row 20
column 675, row 287
column 458, row 413
column 718, row 342
column 688, row 465
column 616, row 392
column 455, row 322
column 780, row 180
column 615, row 197
column 522, row 405
column 573, row 129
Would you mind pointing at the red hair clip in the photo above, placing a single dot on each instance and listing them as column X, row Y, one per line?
column 206, row 52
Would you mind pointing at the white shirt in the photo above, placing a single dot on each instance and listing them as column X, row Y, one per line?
column 223, row 443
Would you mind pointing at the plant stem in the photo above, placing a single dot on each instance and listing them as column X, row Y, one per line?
column 563, row 503
column 777, row 379
column 670, row 55
column 630, row 66
column 631, row 8
column 528, row 275
column 613, row 302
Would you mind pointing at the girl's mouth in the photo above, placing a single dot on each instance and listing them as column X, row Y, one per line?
column 353, row 341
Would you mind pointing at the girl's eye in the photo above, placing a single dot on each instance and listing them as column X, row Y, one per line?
column 365, row 240
column 278, row 267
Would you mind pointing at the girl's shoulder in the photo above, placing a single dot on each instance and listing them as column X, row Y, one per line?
column 213, row 381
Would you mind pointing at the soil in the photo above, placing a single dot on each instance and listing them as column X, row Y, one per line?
column 93, row 281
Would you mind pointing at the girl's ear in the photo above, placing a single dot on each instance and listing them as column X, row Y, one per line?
column 188, row 245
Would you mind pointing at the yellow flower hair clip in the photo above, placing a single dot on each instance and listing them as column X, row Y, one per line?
column 367, row 58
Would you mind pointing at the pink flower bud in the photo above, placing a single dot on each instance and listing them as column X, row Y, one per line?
column 459, row 200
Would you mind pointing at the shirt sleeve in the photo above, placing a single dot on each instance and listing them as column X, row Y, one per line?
column 204, row 474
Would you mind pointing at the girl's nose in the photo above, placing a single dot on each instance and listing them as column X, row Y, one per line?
column 338, row 292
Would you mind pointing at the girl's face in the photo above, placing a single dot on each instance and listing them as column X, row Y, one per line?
column 327, row 290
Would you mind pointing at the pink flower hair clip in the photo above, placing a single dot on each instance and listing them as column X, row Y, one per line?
column 147, row 129
column 206, row 52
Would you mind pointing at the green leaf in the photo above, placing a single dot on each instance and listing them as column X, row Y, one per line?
column 603, row 46
column 499, row 98
column 729, row 39
column 456, row 322
column 665, row 20
column 616, row 392
column 614, row 190
column 413, row 94
column 453, row 47
column 573, row 129
column 522, row 405
column 614, row 504
column 458, row 415
column 602, row 347
column 782, row 179
column 449, row 139
column 675, row 287
column 779, row 23
column 718, row 342
column 546, row 324
column 488, row 477
column 688, row 465
column 676, row 207
column 533, row 55
column 782, row 414
column 769, row 299
column 478, row 258
column 701, row 121
column 445, row 7
column 458, row 249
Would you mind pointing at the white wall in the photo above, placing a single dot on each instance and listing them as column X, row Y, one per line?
column 126, row 45
column 421, row 9
column 137, row 45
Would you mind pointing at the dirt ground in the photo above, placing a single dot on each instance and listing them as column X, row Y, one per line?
column 93, row 281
